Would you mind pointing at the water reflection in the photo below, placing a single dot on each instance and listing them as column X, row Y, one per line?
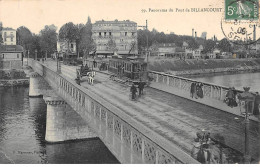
column 22, row 132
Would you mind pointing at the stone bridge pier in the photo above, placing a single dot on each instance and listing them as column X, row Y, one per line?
column 34, row 88
column 62, row 121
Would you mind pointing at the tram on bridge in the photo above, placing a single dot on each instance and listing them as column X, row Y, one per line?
column 132, row 69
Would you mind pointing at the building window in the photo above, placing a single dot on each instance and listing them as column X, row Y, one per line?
column 133, row 33
column 125, row 33
column 125, row 47
column 3, row 56
column 110, row 33
column 5, row 33
column 100, row 34
column 11, row 39
column 105, row 33
column 17, row 56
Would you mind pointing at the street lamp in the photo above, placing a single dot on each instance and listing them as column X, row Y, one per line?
column 246, row 104
column 35, row 55
column 28, row 56
column 58, row 63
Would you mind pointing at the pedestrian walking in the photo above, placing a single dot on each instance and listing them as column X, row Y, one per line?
column 133, row 91
column 257, row 104
column 141, row 88
column 230, row 97
column 192, row 89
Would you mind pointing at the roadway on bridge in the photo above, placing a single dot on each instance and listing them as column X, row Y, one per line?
column 177, row 119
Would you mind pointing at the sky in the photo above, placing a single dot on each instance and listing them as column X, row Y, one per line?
column 35, row 14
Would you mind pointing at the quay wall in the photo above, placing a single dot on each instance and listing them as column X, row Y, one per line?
column 203, row 66
column 13, row 77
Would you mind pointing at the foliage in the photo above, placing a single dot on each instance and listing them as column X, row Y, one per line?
column 159, row 37
column 209, row 46
column 48, row 38
column 111, row 45
column 1, row 28
column 69, row 32
column 86, row 43
column 24, row 37
column 224, row 45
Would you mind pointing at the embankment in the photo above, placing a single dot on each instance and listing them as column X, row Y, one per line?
column 13, row 78
column 208, row 66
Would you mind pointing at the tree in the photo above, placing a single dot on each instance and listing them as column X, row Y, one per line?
column 209, row 46
column 112, row 46
column 69, row 32
column 224, row 45
column 86, row 43
column 24, row 37
column 48, row 39
column 1, row 28
column 35, row 46
column 193, row 45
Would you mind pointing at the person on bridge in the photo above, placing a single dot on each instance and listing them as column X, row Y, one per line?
column 141, row 88
column 230, row 97
column 257, row 104
column 133, row 91
column 192, row 89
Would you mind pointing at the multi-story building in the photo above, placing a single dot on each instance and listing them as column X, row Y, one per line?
column 9, row 36
column 115, row 37
column 63, row 47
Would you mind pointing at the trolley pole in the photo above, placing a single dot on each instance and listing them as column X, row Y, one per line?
column 147, row 45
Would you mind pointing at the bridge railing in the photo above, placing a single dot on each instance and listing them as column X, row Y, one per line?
column 209, row 90
column 129, row 140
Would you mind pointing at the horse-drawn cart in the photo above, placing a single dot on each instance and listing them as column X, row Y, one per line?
column 85, row 71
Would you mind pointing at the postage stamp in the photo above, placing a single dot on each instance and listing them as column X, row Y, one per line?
column 241, row 10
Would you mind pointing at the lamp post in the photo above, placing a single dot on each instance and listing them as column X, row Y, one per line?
column 35, row 55
column 246, row 104
column 28, row 56
column 58, row 63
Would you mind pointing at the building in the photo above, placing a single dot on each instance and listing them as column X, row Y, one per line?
column 204, row 35
column 115, row 37
column 63, row 47
column 9, row 36
column 11, row 56
column 169, row 50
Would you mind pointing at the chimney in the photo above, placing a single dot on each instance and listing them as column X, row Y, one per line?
column 192, row 33
column 195, row 34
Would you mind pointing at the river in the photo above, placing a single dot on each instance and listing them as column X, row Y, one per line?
column 238, row 81
column 22, row 132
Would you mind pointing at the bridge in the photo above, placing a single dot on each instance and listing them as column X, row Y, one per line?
column 158, row 128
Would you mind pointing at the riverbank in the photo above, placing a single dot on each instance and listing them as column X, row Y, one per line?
column 203, row 66
column 13, row 78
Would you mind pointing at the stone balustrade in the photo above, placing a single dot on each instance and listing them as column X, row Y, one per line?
column 214, row 95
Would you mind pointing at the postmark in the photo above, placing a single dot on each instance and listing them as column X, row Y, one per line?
column 241, row 33
column 241, row 10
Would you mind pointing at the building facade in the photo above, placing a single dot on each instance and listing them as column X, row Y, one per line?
column 63, row 47
column 9, row 36
column 115, row 37
column 11, row 57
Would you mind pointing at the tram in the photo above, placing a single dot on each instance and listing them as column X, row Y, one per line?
column 129, row 68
